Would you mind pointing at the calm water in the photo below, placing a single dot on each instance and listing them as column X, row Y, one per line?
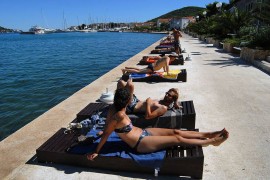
column 39, row 71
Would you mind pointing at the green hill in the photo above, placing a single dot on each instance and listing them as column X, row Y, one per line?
column 183, row 12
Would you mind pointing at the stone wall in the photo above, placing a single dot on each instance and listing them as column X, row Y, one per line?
column 228, row 47
column 253, row 54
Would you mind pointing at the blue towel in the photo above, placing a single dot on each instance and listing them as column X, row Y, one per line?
column 116, row 147
column 137, row 75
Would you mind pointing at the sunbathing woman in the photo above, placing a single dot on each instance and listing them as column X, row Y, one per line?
column 151, row 108
column 162, row 62
column 163, row 50
column 150, row 139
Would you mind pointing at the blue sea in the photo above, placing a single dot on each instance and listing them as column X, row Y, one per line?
column 39, row 71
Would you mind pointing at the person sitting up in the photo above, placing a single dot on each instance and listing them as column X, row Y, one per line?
column 162, row 62
column 150, row 139
column 151, row 108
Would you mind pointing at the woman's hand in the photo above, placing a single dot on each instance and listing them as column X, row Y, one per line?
column 92, row 156
column 148, row 100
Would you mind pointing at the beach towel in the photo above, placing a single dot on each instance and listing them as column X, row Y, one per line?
column 116, row 147
column 172, row 74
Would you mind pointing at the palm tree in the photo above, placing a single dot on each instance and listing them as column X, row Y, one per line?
column 239, row 19
column 261, row 12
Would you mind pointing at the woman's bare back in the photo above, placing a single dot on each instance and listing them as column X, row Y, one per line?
column 162, row 62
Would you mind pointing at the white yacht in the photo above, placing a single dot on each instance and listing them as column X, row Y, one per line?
column 38, row 30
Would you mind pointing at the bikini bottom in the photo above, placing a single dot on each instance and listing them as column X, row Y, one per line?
column 144, row 134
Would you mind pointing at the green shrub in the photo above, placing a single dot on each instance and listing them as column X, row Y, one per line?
column 233, row 41
column 247, row 33
column 261, row 39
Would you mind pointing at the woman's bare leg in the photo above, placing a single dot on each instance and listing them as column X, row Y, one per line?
column 130, row 71
column 140, row 71
column 132, row 68
column 154, row 143
column 185, row 134
column 195, row 134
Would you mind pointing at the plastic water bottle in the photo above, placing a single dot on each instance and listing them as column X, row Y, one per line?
column 156, row 172
column 94, row 127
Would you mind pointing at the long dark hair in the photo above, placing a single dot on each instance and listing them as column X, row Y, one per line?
column 175, row 97
column 121, row 98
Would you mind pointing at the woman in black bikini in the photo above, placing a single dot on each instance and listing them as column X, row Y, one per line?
column 150, row 139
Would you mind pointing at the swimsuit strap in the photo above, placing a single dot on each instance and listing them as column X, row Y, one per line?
column 131, row 106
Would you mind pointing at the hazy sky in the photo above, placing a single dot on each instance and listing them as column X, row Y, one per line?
column 22, row 14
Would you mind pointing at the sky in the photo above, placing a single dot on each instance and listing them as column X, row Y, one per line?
column 23, row 14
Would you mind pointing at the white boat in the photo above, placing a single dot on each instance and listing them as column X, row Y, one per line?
column 116, row 30
column 38, row 30
column 88, row 30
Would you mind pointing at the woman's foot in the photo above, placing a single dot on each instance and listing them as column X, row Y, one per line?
column 223, row 137
column 215, row 134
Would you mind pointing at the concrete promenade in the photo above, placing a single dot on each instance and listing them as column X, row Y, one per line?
column 226, row 91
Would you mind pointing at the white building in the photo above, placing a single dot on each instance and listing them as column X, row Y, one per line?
column 162, row 21
column 181, row 23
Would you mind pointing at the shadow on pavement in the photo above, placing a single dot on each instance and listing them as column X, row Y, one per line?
column 69, row 169
column 225, row 62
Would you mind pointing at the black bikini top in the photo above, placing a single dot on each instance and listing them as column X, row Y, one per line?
column 124, row 129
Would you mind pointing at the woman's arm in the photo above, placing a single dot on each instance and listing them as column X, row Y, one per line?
column 166, row 67
column 176, row 105
column 109, row 128
column 159, row 111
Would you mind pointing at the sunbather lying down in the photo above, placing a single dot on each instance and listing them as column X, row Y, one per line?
column 163, row 50
column 151, row 108
column 150, row 139
column 152, row 59
column 162, row 62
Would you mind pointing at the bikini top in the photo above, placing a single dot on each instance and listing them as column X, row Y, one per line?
column 124, row 129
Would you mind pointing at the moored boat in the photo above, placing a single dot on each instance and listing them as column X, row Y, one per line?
column 38, row 30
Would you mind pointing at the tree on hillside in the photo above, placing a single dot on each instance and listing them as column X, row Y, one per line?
column 183, row 12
